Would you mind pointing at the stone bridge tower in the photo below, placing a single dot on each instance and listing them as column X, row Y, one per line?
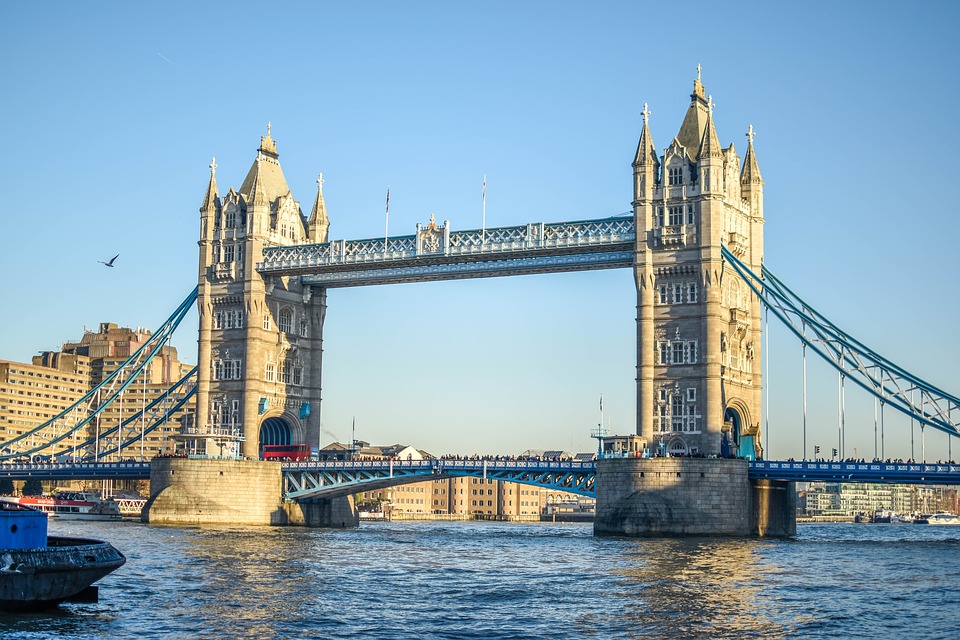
column 699, row 326
column 260, row 341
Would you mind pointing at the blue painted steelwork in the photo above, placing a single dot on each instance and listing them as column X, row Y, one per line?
column 77, row 471
column 892, row 384
column 303, row 480
column 436, row 253
column 873, row 472
column 76, row 418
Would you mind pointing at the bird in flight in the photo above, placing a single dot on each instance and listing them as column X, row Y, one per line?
column 110, row 263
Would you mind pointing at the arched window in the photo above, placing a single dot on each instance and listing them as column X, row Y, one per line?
column 285, row 321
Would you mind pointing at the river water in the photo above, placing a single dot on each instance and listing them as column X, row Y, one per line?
column 452, row 580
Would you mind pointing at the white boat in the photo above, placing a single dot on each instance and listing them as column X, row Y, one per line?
column 72, row 505
column 942, row 517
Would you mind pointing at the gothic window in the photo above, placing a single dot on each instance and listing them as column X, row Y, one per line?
column 659, row 220
column 297, row 374
column 231, row 218
column 218, row 320
column 663, row 294
column 690, row 351
column 228, row 252
column 285, row 322
column 270, row 373
column 216, row 253
column 691, row 394
column 689, row 214
column 677, row 353
column 664, row 353
column 266, row 322
column 692, row 292
column 675, row 175
column 676, row 215
column 303, row 327
column 677, row 293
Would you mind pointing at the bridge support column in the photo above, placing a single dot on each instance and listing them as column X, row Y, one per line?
column 186, row 491
column 774, row 510
column 338, row 513
column 654, row 497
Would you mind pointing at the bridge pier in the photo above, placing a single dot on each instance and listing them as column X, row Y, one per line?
column 652, row 497
column 188, row 491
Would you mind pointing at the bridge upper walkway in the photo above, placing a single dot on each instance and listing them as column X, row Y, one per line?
column 436, row 253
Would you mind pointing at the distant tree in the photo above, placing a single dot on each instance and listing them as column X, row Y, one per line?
column 32, row 487
column 6, row 487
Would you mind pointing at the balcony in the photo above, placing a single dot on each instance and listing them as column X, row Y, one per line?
column 674, row 235
column 737, row 243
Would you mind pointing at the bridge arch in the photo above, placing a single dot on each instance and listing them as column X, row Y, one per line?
column 737, row 438
column 279, row 427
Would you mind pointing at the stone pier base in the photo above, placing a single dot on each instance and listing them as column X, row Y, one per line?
column 654, row 497
column 187, row 491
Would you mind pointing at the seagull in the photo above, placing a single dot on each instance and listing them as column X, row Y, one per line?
column 109, row 264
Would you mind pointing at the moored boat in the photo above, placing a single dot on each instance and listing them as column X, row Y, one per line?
column 72, row 505
column 942, row 517
column 39, row 571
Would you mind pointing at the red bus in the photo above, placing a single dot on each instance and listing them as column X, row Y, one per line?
column 292, row 452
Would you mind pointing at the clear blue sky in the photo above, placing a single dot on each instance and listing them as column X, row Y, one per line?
column 112, row 112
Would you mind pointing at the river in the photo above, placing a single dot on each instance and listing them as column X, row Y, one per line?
column 453, row 580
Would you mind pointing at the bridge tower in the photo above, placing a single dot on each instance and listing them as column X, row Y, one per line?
column 698, row 326
column 260, row 339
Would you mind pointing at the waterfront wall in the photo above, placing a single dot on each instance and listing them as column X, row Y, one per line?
column 651, row 497
column 186, row 491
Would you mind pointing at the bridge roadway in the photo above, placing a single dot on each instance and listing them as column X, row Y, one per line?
column 327, row 479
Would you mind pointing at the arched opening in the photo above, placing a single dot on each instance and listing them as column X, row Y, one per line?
column 677, row 448
column 730, row 442
column 274, row 431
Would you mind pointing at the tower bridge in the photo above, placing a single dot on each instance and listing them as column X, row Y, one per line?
column 694, row 240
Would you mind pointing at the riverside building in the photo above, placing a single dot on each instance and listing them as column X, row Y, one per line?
column 32, row 394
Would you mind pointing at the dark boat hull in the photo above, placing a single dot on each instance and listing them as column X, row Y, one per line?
column 32, row 579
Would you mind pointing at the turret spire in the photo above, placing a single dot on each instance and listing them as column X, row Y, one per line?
column 212, row 197
column 319, row 223
column 646, row 151
column 710, row 143
column 750, row 175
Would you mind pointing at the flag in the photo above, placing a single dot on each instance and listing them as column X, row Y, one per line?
column 601, row 403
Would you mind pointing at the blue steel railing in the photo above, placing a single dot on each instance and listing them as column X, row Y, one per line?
column 871, row 472
column 76, row 470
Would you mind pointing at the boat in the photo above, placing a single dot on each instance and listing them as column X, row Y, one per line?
column 38, row 571
column 72, row 505
column 942, row 517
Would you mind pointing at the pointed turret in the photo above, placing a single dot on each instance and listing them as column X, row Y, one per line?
column 695, row 121
column 750, row 175
column 319, row 223
column 265, row 182
column 646, row 164
column 211, row 199
column 710, row 163
column 709, row 142
column 751, row 183
column 211, row 207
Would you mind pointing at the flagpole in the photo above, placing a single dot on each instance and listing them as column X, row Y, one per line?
column 483, row 223
column 386, row 230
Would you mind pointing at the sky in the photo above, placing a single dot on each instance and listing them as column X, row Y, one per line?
column 113, row 110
